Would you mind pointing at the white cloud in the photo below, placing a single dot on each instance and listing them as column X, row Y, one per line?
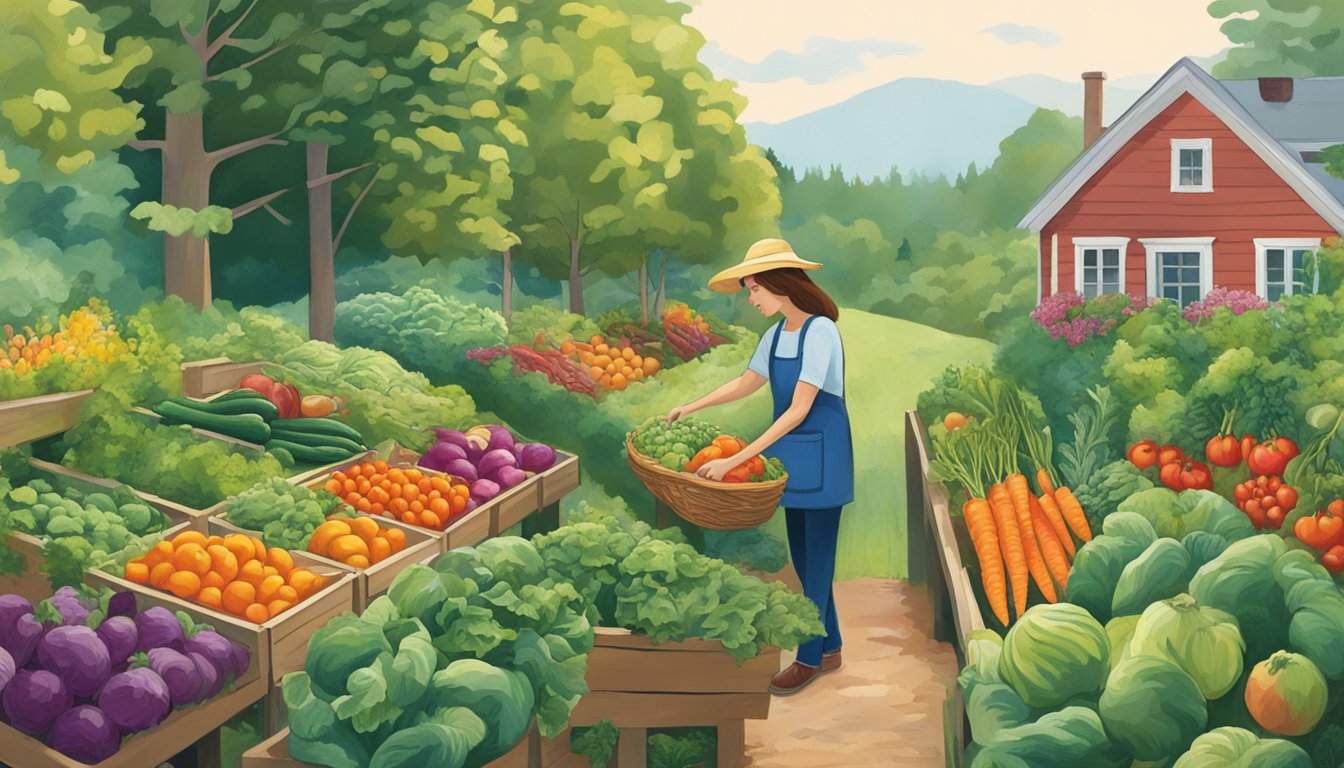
column 1017, row 34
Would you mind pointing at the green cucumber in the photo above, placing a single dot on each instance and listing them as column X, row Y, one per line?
column 238, row 405
column 239, row 394
column 315, row 440
column 308, row 454
column 322, row 426
column 248, row 427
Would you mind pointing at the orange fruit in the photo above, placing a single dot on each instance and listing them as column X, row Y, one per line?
column 137, row 572
column 189, row 537
column 277, row 607
column 356, row 470
column 213, row 579
column 651, row 366
column 270, row 586
column 258, row 549
column 192, row 557
column 440, row 507
column 430, row 520
column 333, row 487
column 414, row 475
column 395, row 537
column 184, row 584
column 269, row 570
column 396, row 475
column 241, row 547
column 619, row 381
column 320, row 542
column 257, row 613
column 237, row 595
column 288, row 594
column 440, row 484
column 379, row 550
column 346, row 546
column 417, row 506
column 400, row 506
column 214, row 541
column 364, row 506
column 380, row 465
column 376, row 509
column 303, row 581
column 364, row 527
column 358, row 561
column 458, row 504
column 410, row 492
column 158, row 575
column 424, row 484
column 252, row 572
column 280, row 560
column 410, row 518
column 223, row 561
column 210, row 597
column 162, row 552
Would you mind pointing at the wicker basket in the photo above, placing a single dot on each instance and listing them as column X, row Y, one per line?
column 708, row 504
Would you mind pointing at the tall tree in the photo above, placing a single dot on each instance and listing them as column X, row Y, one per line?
column 213, row 61
column 1288, row 38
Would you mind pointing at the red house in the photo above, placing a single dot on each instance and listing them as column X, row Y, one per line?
column 1201, row 183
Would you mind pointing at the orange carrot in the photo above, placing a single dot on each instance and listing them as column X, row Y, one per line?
column 1043, row 480
column 980, row 524
column 1021, row 495
column 1056, row 518
column 1010, row 541
column 1051, row 550
column 1073, row 513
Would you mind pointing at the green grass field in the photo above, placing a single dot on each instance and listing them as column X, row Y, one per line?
column 889, row 363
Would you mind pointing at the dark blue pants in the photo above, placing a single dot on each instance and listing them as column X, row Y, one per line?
column 812, row 537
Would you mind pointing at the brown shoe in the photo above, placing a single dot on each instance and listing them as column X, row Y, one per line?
column 793, row 679
column 830, row 661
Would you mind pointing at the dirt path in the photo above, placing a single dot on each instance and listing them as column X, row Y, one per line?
column 883, row 707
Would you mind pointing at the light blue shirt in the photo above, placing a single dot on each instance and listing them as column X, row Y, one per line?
column 823, row 357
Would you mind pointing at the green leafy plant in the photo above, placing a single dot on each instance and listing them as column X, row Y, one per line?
column 1091, row 446
column 285, row 514
column 597, row 743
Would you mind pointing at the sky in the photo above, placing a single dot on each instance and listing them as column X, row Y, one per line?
column 791, row 57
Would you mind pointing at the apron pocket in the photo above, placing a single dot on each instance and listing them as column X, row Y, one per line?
column 802, row 457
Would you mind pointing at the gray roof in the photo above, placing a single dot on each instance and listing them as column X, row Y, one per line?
column 1315, row 113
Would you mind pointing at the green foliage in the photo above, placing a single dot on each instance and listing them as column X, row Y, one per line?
column 556, row 324
column 160, row 217
column 1102, row 491
column 1281, row 39
column 597, row 743
column 220, row 330
column 1093, row 426
column 1241, row 582
column 421, row 329
column 1152, row 707
column 1227, row 747
column 285, row 514
column 688, row 748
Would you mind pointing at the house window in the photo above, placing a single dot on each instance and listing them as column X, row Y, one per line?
column 1192, row 165
column 1179, row 268
column 1099, row 265
column 1281, row 266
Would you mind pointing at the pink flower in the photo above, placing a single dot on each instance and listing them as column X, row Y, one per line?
column 1237, row 301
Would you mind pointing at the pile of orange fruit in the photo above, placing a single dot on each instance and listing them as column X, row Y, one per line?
column 408, row 495
column 356, row 541
column 236, row 574
column 612, row 366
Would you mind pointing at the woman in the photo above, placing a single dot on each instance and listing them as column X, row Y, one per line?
column 802, row 359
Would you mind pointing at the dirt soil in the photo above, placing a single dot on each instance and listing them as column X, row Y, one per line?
column 883, row 707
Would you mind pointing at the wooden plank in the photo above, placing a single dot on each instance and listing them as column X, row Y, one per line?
column 274, row 753
column 559, row 480
column 469, row 530
column 673, row 671
column 619, row 637
column 33, row 418
column 668, row 710
column 514, row 505
column 632, row 748
column 732, row 744
column 206, row 377
column 553, row 750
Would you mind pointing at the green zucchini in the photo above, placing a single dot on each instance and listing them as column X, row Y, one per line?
column 308, row 454
column 248, row 427
column 322, row 426
column 239, row 394
column 315, row 440
column 238, row 405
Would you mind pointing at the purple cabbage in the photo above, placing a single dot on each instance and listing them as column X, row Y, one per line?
column 122, row 604
column 159, row 628
column 121, row 636
column 7, row 668
column 242, row 658
column 78, row 655
column 490, row 464
column 135, row 700
column 85, row 733
column 536, row 457
column 484, row 490
column 508, row 477
column 73, row 610
column 34, row 699
column 178, row 671
column 212, row 682
column 20, row 631
column 213, row 647
column 462, row 468
column 453, row 436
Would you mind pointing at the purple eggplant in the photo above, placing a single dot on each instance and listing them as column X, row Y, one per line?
column 121, row 636
column 159, row 628
column 242, row 658
column 178, row 671
column 135, row 700
column 536, row 457
column 20, row 631
column 85, row 733
column 34, row 699
column 212, row 682
column 493, row 461
column 213, row 647
column 79, row 656
column 122, row 604
column 508, row 477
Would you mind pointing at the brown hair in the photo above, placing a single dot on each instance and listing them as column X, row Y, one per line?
column 794, row 284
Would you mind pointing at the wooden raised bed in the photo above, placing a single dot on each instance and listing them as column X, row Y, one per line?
column 274, row 753
column 182, row 729
column 939, row 548
column 638, row 684
column 33, row 418
column 207, row 377
column 30, row 582
column 372, row 581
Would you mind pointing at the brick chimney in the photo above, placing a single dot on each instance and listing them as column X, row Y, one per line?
column 1092, row 107
column 1276, row 89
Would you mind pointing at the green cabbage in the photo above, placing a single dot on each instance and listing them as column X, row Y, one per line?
column 499, row 697
column 1069, row 738
column 1239, row 748
column 1054, row 652
column 993, row 707
column 1096, row 569
column 1317, row 606
column 1203, row 547
column 443, row 738
column 1159, row 572
column 1152, row 708
column 1174, row 515
column 1205, row 642
column 1130, row 525
column 1118, row 632
column 984, row 648
column 1241, row 582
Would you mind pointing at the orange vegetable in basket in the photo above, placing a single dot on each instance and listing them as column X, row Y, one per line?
column 405, row 494
column 269, row 588
column 252, row 572
column 257, row 613
column 345, row 547
column 223, row 562
column 237, row 596
column 184, row 584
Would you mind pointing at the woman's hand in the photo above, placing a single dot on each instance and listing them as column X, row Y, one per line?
column 717, row 468
column 677, row 413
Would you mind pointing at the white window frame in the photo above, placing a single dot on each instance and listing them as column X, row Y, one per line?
column 1176, row 146
column 1081, row 244
column 1288, row 245
column 1204, row 245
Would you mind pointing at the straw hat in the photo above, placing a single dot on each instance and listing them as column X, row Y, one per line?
column 764, row 256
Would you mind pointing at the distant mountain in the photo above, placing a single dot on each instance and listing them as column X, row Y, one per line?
column 912, row 124
column 1067, row 97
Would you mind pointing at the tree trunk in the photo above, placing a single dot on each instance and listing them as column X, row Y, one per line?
column 321, row 254
column 186, row 184
column 506, row 286
column 660, row 298
column 575, row 278
column 644, row 291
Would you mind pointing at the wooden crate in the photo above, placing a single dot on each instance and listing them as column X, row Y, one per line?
column 274, row 753
column 372, row 581
column 179, row 731
column 33, row 418
column 514, row 505
column 30, row 582
column 638, row 684
column 207, row 377
column 559, row 480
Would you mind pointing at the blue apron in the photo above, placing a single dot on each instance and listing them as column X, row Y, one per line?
column 819, row 453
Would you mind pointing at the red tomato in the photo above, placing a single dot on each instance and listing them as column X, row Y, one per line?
column 1195, row 475
column 1248, row 443
column 1322, row 531
column 1170, row 475
column 1143, row 454
column 1170, row 454
column 1267, row 459
column 1223, row 451
column 1286, row 495
column 1333, row 560
column 1255, row 512
column 1287, row 446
